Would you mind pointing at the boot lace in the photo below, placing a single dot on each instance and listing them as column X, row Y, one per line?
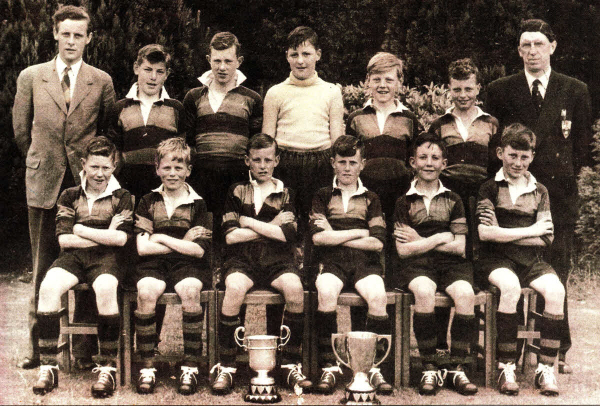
column 328, row 374
column 295, row 372
column 508, row 370
column 187, row 375
column 147, row 375
column 105, row 375
column 223, row 372
column 47, row 373
column 546, row 374
column 433, row 378
column 375, row 376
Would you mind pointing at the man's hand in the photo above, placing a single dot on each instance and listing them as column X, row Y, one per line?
column 406, row 234
column 542, row 227
column 197, row 232
column 118, row 219
column 488, row 218
column 282, row 218
column 321, row 222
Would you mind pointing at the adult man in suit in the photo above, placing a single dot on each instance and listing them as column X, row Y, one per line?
column 557, row 108
column 58, row 107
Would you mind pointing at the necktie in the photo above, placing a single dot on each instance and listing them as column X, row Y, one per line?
column 536, row 96
column 66, row 86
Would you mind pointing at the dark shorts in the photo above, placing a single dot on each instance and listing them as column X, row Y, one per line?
column 442, row 269
column 389, row 179
column 350, row 265
column 526, row 274
column 173, row 269
column 89, row 263
column 262, row 262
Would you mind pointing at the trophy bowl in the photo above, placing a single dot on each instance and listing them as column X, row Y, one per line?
column 361, row 350
column 262, row 358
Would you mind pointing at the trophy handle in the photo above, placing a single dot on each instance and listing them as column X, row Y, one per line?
column 387, row 337
column 284, row 336
column 334, row 337
column 240, row 340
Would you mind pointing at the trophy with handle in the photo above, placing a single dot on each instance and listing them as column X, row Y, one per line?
column 361, row 350
column 262, row 353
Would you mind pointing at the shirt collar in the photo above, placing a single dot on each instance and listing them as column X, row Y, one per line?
column 192, row 195
column 480, row 112
column 543, row 79
column 399, row 106
column 413, row 189
column 207, row 78
column 113, row 184
column 60, row 66
column 359, row 191
column 133, row 93
column 277, row 182
column 531, row 181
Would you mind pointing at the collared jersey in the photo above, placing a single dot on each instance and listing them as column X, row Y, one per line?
column 531, row 205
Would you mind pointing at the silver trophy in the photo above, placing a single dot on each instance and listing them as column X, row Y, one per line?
column 262, row 356
column 361, row 349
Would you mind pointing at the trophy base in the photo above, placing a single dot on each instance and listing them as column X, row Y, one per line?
column 360, row 398
column 262, row 394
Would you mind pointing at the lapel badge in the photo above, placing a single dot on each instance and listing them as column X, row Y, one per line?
column 565, row 124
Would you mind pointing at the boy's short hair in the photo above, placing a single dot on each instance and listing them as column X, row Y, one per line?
column 102, row 146
column 347, row 145
column 384, row 61
column 519, row 137
column 425, row 138
column 462, row 69
column 225, row 40
column 261, row 141
column 71, row 12
column 175, row 145
column 536, row 25
column 154, row 53
column 300, row 35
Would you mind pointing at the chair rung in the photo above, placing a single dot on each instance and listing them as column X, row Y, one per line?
column 62, row 312
column 62, row 345
column 533, row 348
column 79, row 329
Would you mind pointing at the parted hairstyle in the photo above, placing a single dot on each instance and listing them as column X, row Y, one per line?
column 424, row 138
column 519, row 137
column 536, row 25
column 153, row 53
column 300, row 35
column 225, row 40
column 261, row 141
column 100, row 146
column 175, row 145
column 71, row 13
column 382, row 62
column 462, row 69
column 347, row 145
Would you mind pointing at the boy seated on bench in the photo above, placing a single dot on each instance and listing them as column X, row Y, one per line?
column 93, row 222
column 430, row 230
column 348, row 231
column 173, row 235
column 260, row 230
column 515, row 227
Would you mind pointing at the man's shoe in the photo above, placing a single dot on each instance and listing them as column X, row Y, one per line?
column 147, row 380
column 106, row 384
column 188, row 381
column 47, row 379
column 431, row 381
column 84, row 364
column 296, row 377
column 563, row 367
column 507, row 380
column 457, row 380
column 29, row 363
column 379, row 383
column 223, row 382
column 326, row 384
column 545, row 380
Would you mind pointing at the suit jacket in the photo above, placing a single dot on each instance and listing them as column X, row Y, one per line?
column 558, row 159
column 51, row 137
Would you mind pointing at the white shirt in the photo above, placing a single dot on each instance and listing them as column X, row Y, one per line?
column 145, row 106
column 516, row 190
column 216, row 98
column 60, row 69
column 426, row 199
column 345, row 196
column 460, row 126
column 259, row 199
column 382, row 115
column 113, row 184
column 543, row 80
column 170, row 204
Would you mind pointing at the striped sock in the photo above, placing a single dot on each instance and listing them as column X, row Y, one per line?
column 507, row 326
column 327, row 322
column 145, row 334
column 192, row 336
column 462, row 333
column 108, row 337
column 49, row 331
column 292, row 351
column 550, row 331
column 426, row 336
column 227, row 345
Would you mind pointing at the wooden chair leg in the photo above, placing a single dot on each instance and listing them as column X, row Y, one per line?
column 127, row 340
column 398, row 340
column 66, row 338
column 405, row 339
column 490, row 341
column 306, row 344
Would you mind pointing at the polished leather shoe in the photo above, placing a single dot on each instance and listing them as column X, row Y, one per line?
column 29, row 363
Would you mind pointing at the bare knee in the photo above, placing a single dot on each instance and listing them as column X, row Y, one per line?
column 105, row 287
column 554, row 295
column 189, row 290
column 294, row 293
column 463, row 296
column 148, row 293
column 424, row 296
column 236, row 288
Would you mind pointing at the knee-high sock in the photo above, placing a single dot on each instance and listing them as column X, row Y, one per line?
column 108, row 337
column 227, row 345
column 358, row 318
column 426, row 336
column 507, row 326
column 275, row 315
column 379, row 325
column 326, row 323
column 145, row 333
column 442, row 319
column 550, row 332
column 192, row 337
column 462, row 333
column 49, row 331
column 292, row 351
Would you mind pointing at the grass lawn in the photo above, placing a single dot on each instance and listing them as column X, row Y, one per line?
column 583, row 387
